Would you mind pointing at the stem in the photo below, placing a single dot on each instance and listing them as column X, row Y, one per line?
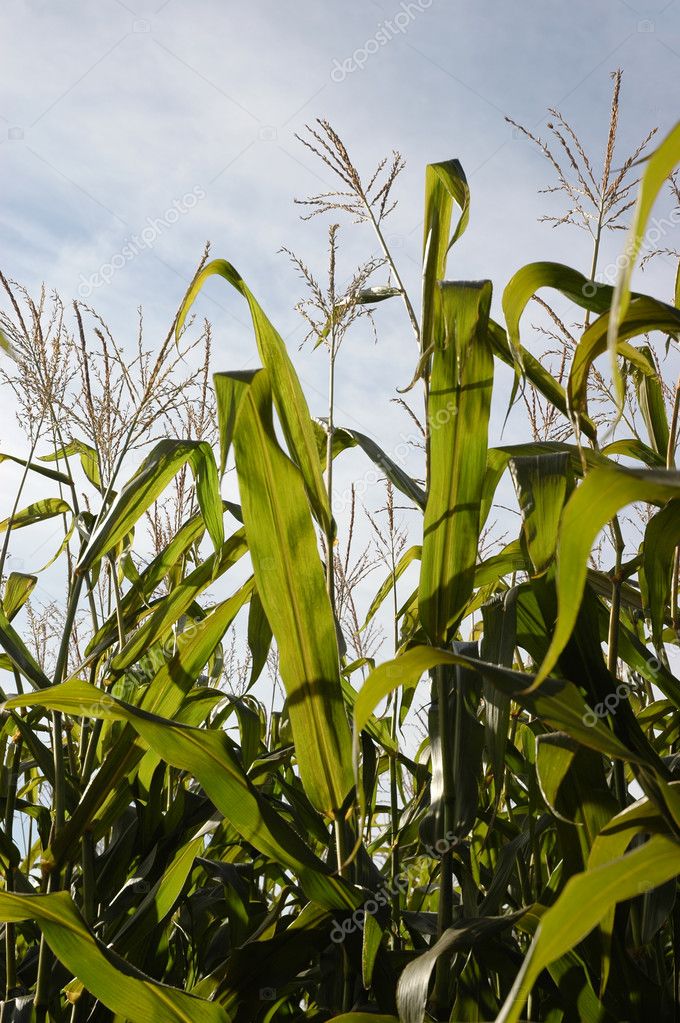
column 10, row 932
column 395, row 813
column 393, row 267
column 330, row 573
column 45, row 959
column 596, row 252
column 613, row 645
column 445, row 907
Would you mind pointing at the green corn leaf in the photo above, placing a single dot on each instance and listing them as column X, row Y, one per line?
column 445, row 184
column 653, row 407
column 662, row 535
column 20, row 655
column 542, row 484
column 148, row 483
column 289, row 399
column 50, row 474
column 602, row 494
column 149, row 579
column 458, row 414
column 412, row 554
column 229, row 391
column 643, row 314
column 658, row 166
column 88, row 459
column 162, row 898
column 560, row 705
column 413, row 984
column 633, row 448
column 539, row 376
column 392, row 471
column 524, row 284
column 18, row 589
column 39, row 511
column 259, row 637
column 290, row 581
column 118, row 985
column 179, row 600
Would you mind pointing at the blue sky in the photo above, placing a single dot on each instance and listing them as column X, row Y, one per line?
column 112, row 112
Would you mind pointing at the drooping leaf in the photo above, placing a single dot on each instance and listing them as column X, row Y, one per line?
column 115, row 982
column 18, row 589
column 88, row 459
column 602, row 494
column 289, row 399
column 445, row 184
column 38, row 511
column 658, row 166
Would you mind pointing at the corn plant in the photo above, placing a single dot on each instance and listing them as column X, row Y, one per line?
column 174, row 850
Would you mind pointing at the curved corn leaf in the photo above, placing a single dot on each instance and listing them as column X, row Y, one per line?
column 259, row 637
column 412, row 554
column 51, row 474
column 658, row 166
column 558, row 703
column 36, row 512
column 88, row 459
column 602, row 494
column 117, row 984
column 537, row 374
column 289, row 399
column 18, row 589
column 633, row 448
column 150, row 480
column 524, row 284
column 346, row 438
column 642, row 315
column 414, row 981
column 445, row 183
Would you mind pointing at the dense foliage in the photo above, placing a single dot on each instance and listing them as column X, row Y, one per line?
column 172, row 849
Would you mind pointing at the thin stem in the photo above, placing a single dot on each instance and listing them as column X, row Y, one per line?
column 613, row 644
column 10, row 933
column 393, row 267
column 330, row 570
column 445, row 907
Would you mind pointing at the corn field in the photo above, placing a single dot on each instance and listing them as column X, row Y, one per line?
column 211, row 808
